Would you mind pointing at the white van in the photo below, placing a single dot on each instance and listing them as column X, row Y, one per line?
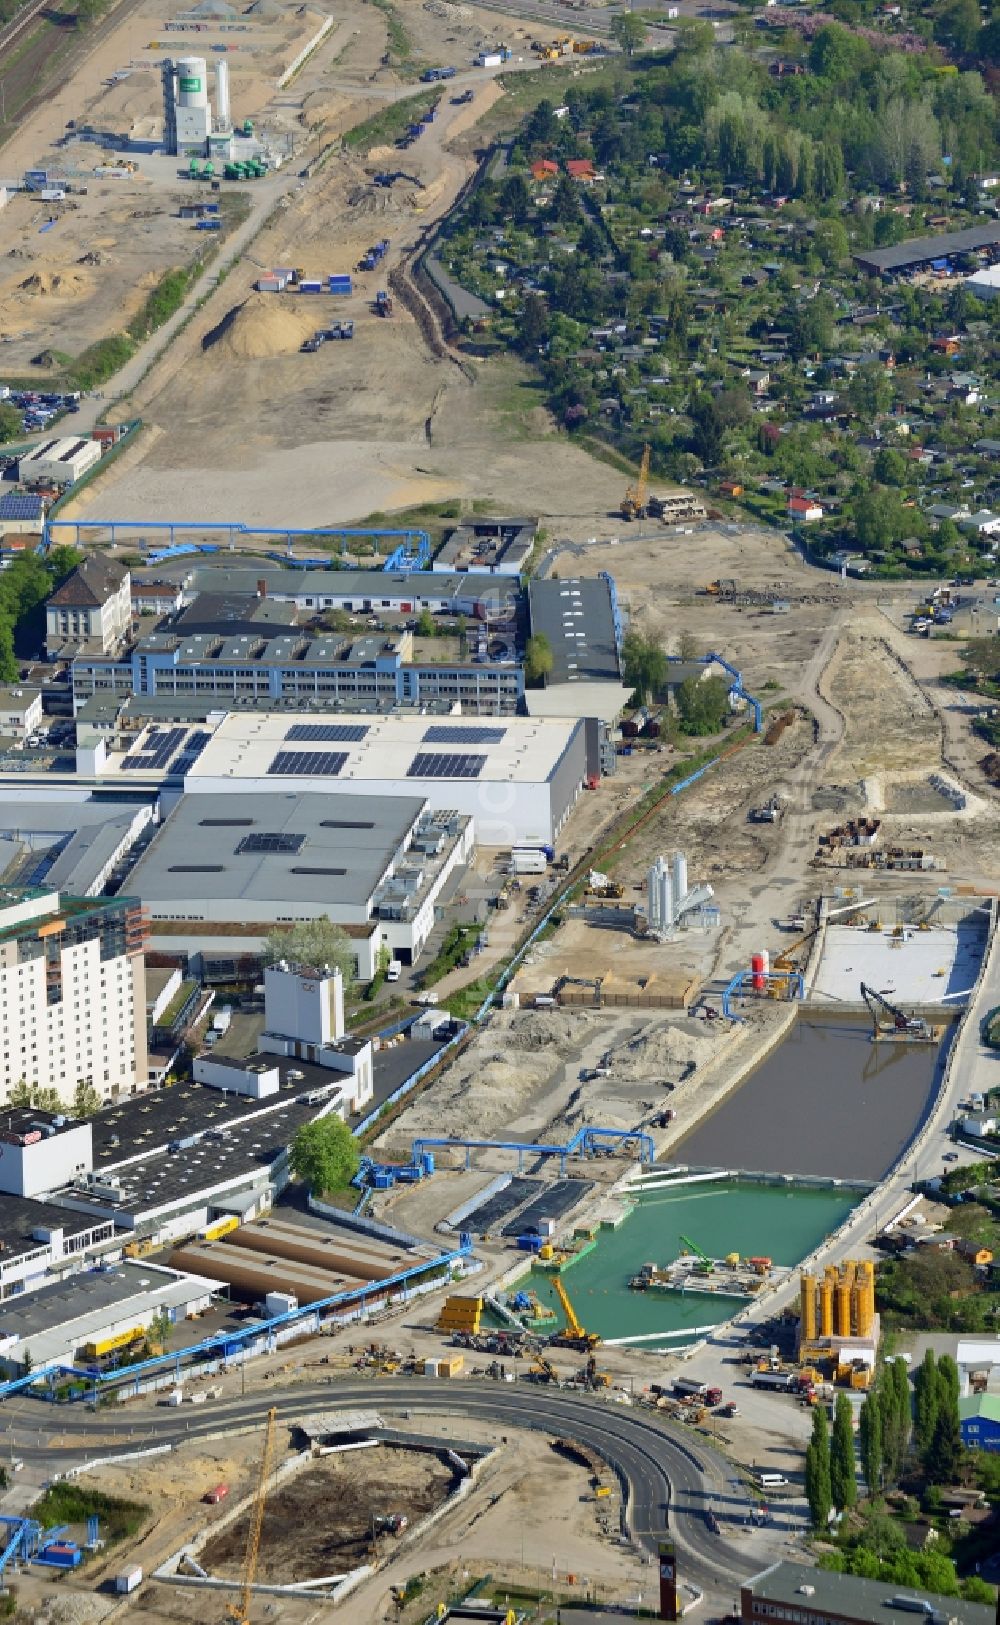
column 394, row 970
column 771, row 1481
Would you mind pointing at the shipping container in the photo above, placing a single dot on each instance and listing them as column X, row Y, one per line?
column 128, row 1580
column 528, row 861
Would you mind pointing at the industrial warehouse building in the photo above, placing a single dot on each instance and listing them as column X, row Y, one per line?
column 72, row 843
column 52, row 1325
column 810, row 1596
column 518, row 778
column 230, row 647
column 58, row 462
column 242, row 863
column 925, row 253
column 369, row 592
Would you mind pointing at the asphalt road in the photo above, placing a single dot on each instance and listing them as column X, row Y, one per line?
column 668, row 1481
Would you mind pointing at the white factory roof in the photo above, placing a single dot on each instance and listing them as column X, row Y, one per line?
column 937, row 966
column 408, row 750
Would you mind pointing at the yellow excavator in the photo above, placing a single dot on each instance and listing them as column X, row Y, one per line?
column 574, row 1337
column 635, row 502
column 239, row 1612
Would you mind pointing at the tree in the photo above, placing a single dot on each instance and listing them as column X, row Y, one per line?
column 890, row 466
column 628, row 32
column 706, row 429
column 565, row 202
column 426, row 625
column 533, row 332
column 879, row 518
column 818, row 1488
column 313, row 942
column 870, row 391
column 11, row 423
column 703, row 704
column 159, row 1329
column 515, row 199
column 538, row 659
column 945, row 1447
column 32, row 1094
column 86, row 1100
column 925, row 1413
column 324, row 1154
column 843, row 1484
column 832, row 246
column 644, row 666
column 870, row 1438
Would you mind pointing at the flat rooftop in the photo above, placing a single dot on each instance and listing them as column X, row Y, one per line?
column 57, row 1319
column 65, row 844
column 17, row 1122
column 486, row 544
column 870, row 1601
column 376, row 588
column 25, row 1225
column 290, row 848
column 407, row 751
column 937, row 966
column 923, row 250
column 577, row 618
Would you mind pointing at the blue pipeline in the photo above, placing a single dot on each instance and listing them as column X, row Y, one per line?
column 793, row 981
column 224, row 1344
column 583, row 1143
column 415, row 542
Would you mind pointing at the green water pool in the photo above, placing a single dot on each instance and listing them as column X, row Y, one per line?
column 784, row 1222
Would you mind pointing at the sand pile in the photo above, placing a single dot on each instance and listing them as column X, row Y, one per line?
column 663, row 1051
column 59, row 284
column 495, row 1080
column 265, row 325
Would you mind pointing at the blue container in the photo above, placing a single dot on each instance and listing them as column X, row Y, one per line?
column 310, row 287
column 341, row 284
column 529, row 1244
column 382, row 1179
column 427, row 1158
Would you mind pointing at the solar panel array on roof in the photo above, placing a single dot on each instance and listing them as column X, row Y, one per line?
column 265, row 842
column 304, row 764
column 430, row 764
column 160, row 745
column 20, row 505
column 326, row 733
column 443, row 733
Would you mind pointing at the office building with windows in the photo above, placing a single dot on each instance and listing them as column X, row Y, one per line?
column 72, row 994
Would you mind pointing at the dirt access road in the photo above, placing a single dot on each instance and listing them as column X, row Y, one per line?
column 240, row 425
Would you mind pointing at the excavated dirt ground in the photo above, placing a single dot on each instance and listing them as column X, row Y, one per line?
column 320, row 1522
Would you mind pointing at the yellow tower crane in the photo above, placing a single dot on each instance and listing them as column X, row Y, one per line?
column 240, row 1612
column 636, row 496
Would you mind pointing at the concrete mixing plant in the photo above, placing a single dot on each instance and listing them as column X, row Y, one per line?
column 669, row 898
column 189, row 129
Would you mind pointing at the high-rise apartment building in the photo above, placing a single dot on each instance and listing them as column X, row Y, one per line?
column 72, row 994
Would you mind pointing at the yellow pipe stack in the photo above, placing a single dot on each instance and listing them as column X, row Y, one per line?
column 808, row 1307
column 841, row 1304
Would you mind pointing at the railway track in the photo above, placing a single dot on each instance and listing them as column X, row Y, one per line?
column 12, row 31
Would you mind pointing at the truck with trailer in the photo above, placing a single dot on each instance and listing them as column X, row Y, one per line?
column 781, row 1382
column 528, row 860
column 689, row 1388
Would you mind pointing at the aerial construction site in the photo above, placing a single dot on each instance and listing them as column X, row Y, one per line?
column 639, row 1095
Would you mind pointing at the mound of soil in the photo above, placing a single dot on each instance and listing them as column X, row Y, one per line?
column 264, row 325
column 59, row 284
column 990, row 765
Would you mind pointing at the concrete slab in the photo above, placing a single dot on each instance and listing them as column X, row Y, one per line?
column 938, row 966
